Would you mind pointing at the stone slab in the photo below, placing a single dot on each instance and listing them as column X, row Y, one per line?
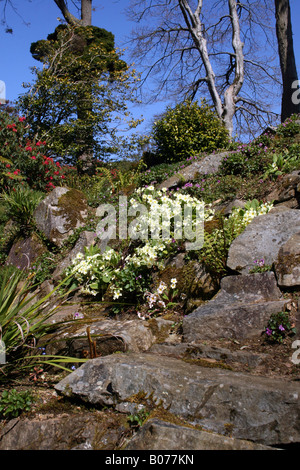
column 259, row 409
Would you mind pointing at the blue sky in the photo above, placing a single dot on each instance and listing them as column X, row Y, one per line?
column 16, row 59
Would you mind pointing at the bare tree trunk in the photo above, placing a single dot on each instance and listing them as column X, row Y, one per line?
column 195, row 27
column 227, row 109
column 86, row 12
column 231, row 93
column 287, row 57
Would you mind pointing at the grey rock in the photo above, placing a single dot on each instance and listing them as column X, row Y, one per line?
column 240, row 309
column 60, row 213
column 208, row 165
column 259, row 409
column 81, row 430
column 287, row 264
column 110, row 336
column 286, row 190
column 235, row 204
column 263, row 238
column 161, row 435
column 25, row 252
column 204, row 351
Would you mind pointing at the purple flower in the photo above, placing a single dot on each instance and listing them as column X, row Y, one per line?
column 281, row 328
column 268, row 331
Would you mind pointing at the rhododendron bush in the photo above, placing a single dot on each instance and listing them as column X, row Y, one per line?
column 24, row 162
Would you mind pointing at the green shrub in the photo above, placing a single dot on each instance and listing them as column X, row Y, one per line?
column 21, row 204
column 218, row 239
column 247, row 160
column 290, row 127
column 187, row 130
column 159, row 173
column 282, row 163
column 13, row 403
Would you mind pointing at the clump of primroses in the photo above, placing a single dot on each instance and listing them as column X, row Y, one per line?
column 24, row 161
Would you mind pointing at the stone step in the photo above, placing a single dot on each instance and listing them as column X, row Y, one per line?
column 156, row 434
column 263, row 410
column 194, row 351
column 241, row 309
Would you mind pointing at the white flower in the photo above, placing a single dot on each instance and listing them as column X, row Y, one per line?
column 161, row 288
column 117, row 294
column 173, row 282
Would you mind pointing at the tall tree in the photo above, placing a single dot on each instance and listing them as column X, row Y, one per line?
column 197, row 46
column 287, row 58
column 79, row 96
column 84, row 108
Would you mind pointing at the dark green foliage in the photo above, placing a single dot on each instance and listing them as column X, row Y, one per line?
column 187, row 130
column 159, row 173
column 80, row 94
column 13, row 403
column 290, row 127
column 83, row 39
column 21, row 204
column 248, row 160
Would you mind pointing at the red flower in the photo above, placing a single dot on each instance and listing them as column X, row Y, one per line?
column 28, row 148
column 21, row 119
column 33, row 157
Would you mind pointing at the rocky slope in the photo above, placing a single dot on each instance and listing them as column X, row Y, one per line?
column 205, row 381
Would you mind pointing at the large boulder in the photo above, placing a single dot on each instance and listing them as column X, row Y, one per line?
column 60, row 213
column 263, row 238
column 260, row 409
column 241, row 309
column 208, row 165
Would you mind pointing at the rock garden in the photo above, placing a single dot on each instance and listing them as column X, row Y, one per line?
column 114, row 341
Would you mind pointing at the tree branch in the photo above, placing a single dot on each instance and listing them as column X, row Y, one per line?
column 70, row 19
